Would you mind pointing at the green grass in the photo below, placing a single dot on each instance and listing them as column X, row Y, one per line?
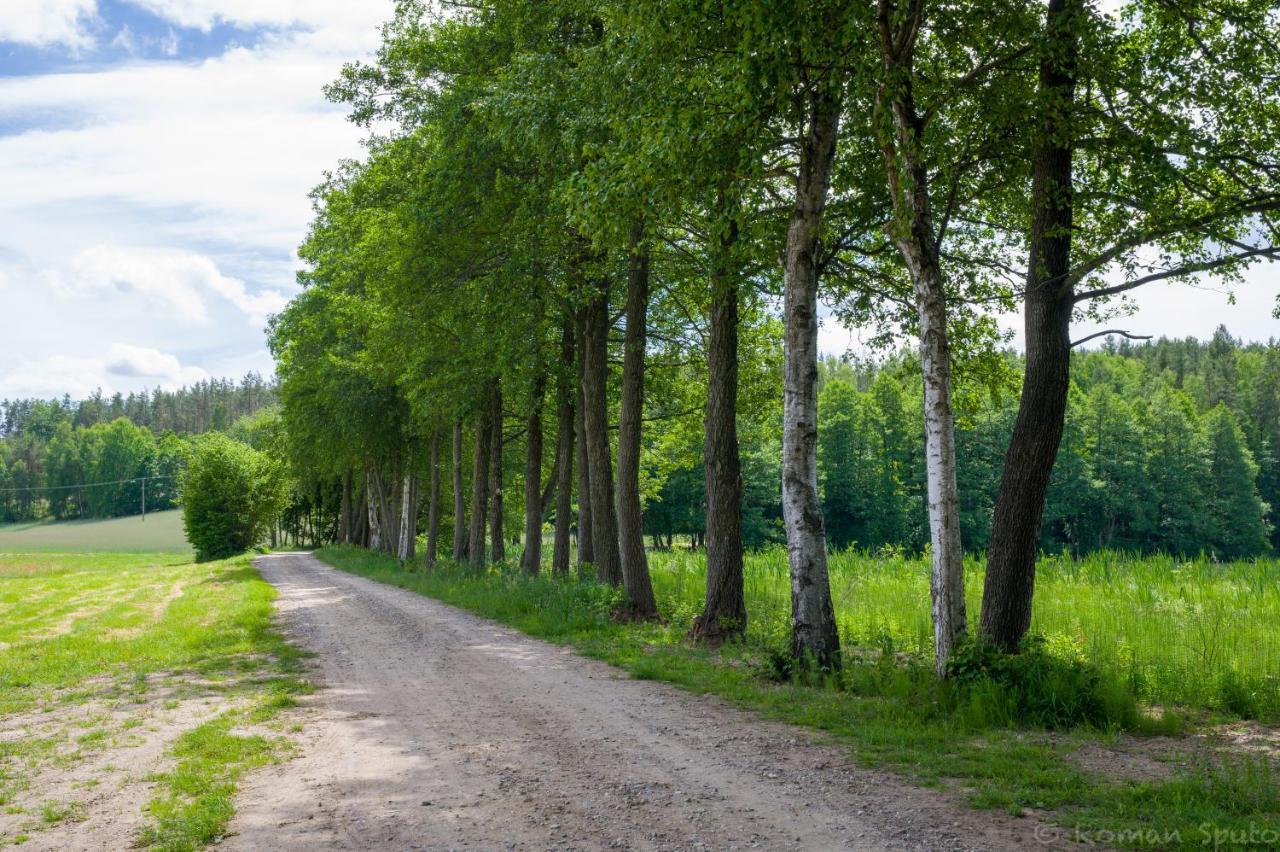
column 1194, row 633
column 161, row 532
column 886, row 704
column 93, row 645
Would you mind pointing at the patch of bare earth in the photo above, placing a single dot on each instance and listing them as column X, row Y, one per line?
column 435, row 729
column 1156, row 759
column 88, row 790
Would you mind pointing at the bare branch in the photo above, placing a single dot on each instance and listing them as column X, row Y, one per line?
column 1118, row 331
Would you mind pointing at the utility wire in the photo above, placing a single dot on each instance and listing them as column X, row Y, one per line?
column 43, row 488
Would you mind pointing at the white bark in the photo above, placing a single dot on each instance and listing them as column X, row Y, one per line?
column 372, row 499
column 408, row 518
column 946, row 584
column 813, row 628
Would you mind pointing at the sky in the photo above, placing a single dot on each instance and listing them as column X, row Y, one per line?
column 155, row 161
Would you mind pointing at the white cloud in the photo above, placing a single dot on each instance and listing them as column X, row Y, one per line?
column 123, row 367
column 47, row 22
column 124, row 359
column 319, row 14
column 175, row 282
column 160, row 202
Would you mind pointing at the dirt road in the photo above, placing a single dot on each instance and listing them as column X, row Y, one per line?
column 435, row 729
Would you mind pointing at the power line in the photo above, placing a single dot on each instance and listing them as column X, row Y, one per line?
column 81, row 486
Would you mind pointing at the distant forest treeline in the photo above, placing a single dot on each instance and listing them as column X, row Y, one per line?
column 50, row 448
column 1170, row 446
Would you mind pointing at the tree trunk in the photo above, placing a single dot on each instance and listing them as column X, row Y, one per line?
column 916, row 240
column 634, row 564
column 1048, row 304
column 604, row 523
column 565, row 422
column 371, row 501
column 497, row 542
column 360, row 518
column 409, row 518
column 433, row 509
column 724, row 614
column 344, row 510
column 532, row 561
column 946, row 585
column 479, row 486
column 813, row 624
column 586, row 540
column 459, row 499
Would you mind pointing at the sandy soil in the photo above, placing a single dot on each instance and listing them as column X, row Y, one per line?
column 435, row 729
column 106, row 790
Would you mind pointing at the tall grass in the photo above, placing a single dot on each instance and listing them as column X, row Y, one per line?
column 1180, row 633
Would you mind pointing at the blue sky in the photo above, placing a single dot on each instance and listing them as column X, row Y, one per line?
column 155, row 160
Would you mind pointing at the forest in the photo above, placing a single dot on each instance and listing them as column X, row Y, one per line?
column 83, row 459
column 601, row 237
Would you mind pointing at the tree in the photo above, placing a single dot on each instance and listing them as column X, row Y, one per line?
column 1236, row 514
column 230, row 494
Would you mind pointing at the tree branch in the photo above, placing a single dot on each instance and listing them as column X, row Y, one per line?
column 1185, row 269
column 1121, row 332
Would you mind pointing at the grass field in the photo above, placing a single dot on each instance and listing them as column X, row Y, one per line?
column 117, row 669
column 161, row 532
column 1149, row 788
column 1191, row 634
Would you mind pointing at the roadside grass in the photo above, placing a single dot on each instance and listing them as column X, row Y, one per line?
column 96, row 648
column 976, row 738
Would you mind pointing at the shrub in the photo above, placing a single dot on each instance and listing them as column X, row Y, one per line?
column 1035, row 687
column 230, row 494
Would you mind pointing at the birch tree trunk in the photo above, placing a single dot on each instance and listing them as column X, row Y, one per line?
column 915, row 236
column 813, row 624
column 408, row 517
column 1048, row 304
column 634, row 564
column 532, row 560
column 586, row 537
column 604, row 523
column 433, row 507
column 724, row 614
column 371, row 501
column 946, row 585
column 497, row 541
column 459, row 499
column 479, row 487
column 565, row 424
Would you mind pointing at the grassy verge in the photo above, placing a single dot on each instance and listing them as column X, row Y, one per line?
column 890, row 710
column 102, row 653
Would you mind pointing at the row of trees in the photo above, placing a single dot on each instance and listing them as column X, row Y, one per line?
column 213, row 404
column 583, row 218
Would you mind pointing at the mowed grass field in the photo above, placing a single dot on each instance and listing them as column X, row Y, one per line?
column 161, row 532
column 118, row 670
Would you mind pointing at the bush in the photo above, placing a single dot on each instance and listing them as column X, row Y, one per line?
column 1037, row 688
column 230, row 494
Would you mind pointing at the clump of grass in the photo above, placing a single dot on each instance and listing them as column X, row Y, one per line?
column 197, row 796
column 52, row 813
